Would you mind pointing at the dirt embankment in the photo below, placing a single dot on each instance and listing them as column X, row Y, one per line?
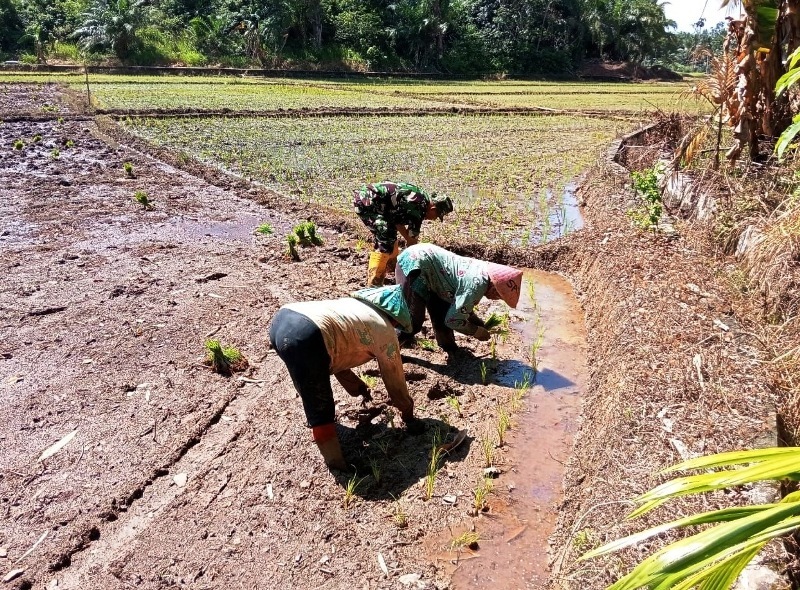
column 178, row 477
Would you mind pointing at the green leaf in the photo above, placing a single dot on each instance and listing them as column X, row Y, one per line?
column 786, row 81
column 682, row 559
column 785, row 140
column 733, row 458
column 724, row 515
column 793, row 58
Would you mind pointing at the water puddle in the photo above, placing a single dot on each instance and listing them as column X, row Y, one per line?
column 513, row 550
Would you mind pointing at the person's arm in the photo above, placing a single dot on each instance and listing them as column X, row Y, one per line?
column 352, row 384
column 458, row 316
column 410, row 240
column 391, row 366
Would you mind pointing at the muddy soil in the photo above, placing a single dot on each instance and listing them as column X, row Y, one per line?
column 175, row 476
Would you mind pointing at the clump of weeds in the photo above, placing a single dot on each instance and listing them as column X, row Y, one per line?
column 127, row 167
column 265, row 229
column 224, row 359
column 291, row 249
column 350, row 490
column 142, row 198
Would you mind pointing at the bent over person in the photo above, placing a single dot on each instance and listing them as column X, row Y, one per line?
column 387, row 208
column 317, row 339
column 449, row 286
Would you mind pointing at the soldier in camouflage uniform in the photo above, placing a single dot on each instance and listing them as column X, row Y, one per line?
column 387, row 208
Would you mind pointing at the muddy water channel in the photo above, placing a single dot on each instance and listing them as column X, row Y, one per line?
column 513, row 549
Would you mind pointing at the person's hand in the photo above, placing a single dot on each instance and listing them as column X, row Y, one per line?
column 482, row 334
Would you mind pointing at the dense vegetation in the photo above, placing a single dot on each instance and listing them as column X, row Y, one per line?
column 458, row 36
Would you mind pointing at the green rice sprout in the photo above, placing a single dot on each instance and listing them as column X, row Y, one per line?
column 265, row 229
column 467, row 539
column 484, row 373
column 453, row 402
column 487, row 447
column 306, row 233
column 503, row 424
column 37, row 138
column 426, row 344
column 142, row 198
column 375, row 467
column 481, row 494
column 19, row 144
column 433, row 466
column 127, row 167
column 368, row 380
column 291, row 243
column 350, row 490
column 222, row 358
column 54, row 153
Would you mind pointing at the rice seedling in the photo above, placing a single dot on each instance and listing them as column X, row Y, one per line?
column 427, row 344
column 291, row 247
column 487, row 447
column 223, row 359
column 433, row 466
column 127, row 167
column 265, row 229
column 467, row 539
column 481, row 493
column 54, row 153
column 484, row 373
column 503, row 424
column 399, row 515
column 70, row 143
column 37, row 138
column 61, row 120
column 306, row 233
column 361, row 245
column 368, row 380
column 375, row 468
column 19, row 144
column 453, row 402
column 520, row 387
column 142, row 198
column 493, row 348
column 383, row 444
column 497, row 323
column 350, row 490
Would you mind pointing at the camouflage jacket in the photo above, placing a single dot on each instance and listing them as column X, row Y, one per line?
column 384, row 205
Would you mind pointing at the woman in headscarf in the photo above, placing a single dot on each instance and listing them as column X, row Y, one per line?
column 317, row 339
column 450, row 286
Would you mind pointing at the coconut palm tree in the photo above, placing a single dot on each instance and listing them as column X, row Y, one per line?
column 111, row 24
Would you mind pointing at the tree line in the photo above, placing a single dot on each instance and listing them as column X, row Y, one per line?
column 456, row 36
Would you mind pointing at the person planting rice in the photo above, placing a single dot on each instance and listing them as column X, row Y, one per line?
column 316, row 339
column 387, row 208
column 450, row 286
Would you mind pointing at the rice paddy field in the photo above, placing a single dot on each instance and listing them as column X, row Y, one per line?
column 507, row 152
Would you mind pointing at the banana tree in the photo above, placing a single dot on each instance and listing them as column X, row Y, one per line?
column 713, row 558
